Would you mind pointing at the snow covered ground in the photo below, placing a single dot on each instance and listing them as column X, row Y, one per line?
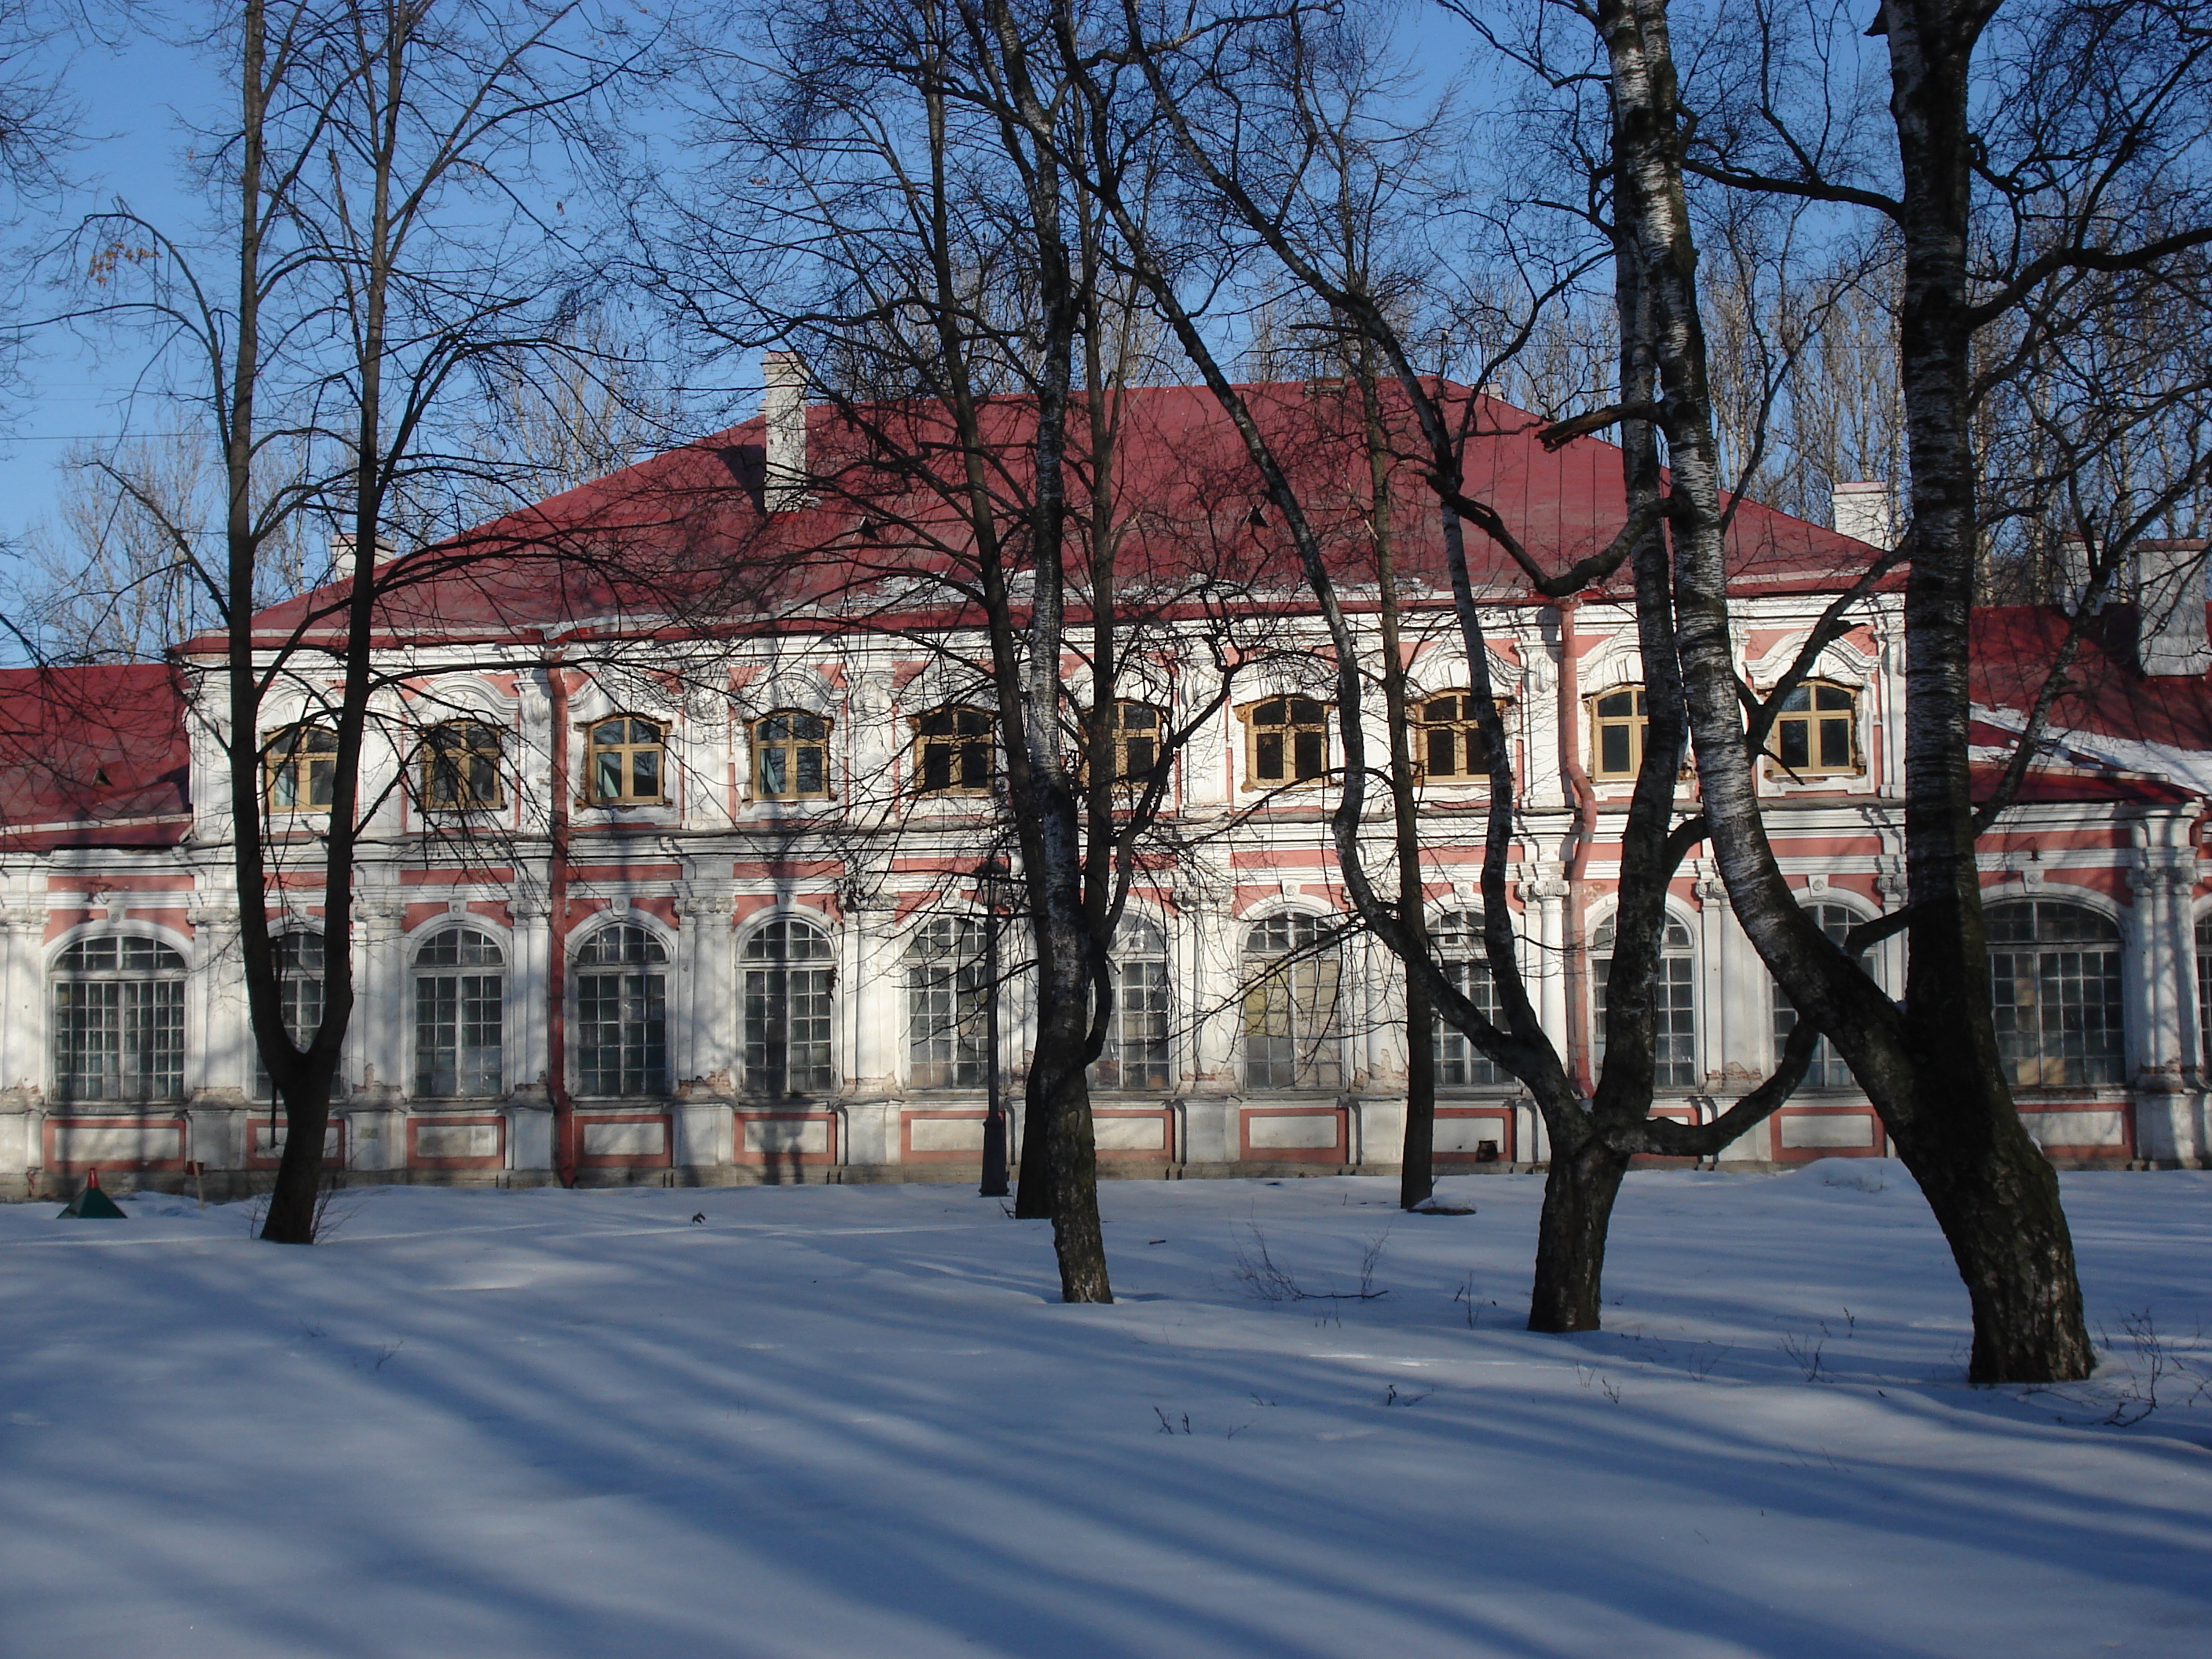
column 850, row 1421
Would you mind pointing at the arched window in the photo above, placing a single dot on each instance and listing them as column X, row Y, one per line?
column 2204, row 985
column 625, row 761
column 1136, row 740
column 621, row 1012
column 954, row 751
column 1816, row 733
column 2055, row 982
column 946, row 994
column 1457, row 938
column 460, row 766
column 119, row 1021
column 788, row 971
column 1827, row 1070
column 790, row 756
column 1291, row 969
column 1136, row 1052
column 1674, row 1004
column 1448, row 744
column 1285, row 741
column 1617, row 725
column 299, row 768
column 298, row 956
column 460, row 1015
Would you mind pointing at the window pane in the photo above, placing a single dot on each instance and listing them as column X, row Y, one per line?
column 1612, row 749
column 1311, row 759
column 1459, row 1063
column 622, row 1033
column 1795, row 750
column 1674, row 1004
column 1290, row 1038
column 947, row 993
column 809, row 779
column 1835, row 744
column 1268, row 758
column 645, row 772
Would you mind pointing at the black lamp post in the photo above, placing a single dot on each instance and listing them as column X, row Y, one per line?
column 995, row 1107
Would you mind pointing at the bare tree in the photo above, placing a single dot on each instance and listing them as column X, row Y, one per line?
column 910, row 220
column 1272, row 80
column 364, row 194
column 2074, row 147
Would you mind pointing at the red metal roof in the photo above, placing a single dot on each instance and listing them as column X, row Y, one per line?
column 93, row 757
column 2107, row 697
column 681, row 538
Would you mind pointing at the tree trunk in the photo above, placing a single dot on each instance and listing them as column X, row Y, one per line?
column 294, row 1199
column 1060, row 1098
column 1578, row 1197
column 1417, row 1176
column 1992, row 1192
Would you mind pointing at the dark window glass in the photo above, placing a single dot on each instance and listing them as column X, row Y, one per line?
column 1619, row 720
column 954, row 751
column 1816, row 731
column 1288, row 741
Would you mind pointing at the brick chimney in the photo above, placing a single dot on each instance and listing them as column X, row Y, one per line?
column 783, row 420
column 1867, row 512
column 342, row 561
column 2168, row 583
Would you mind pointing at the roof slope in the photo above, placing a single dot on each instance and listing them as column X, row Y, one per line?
column 92, row 757
column 682, row 536
column 2116, row 732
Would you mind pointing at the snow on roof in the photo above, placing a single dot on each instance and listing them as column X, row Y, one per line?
column 2115, row 731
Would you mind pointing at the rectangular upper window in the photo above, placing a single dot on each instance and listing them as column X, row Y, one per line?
column 1285, row 742
column 625, row 761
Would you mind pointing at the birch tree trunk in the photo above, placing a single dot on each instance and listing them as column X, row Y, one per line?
column 1933, row 1074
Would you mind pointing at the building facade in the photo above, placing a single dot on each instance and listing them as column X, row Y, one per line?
column 645, row 899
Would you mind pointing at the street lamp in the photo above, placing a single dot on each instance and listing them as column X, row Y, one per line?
column 995, row 1183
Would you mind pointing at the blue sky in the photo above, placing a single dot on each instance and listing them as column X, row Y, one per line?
column 135, row 99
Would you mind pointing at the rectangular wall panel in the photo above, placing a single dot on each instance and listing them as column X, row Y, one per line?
column 946, row 1135
column 809, row 1136
column 117, row 1143
column 1841, row 1129
column 643, row 1137
column 1301, row 1132
column 457, row 1141
column 2077, row 1128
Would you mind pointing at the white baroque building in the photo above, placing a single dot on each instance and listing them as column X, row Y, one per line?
column 688, row 881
